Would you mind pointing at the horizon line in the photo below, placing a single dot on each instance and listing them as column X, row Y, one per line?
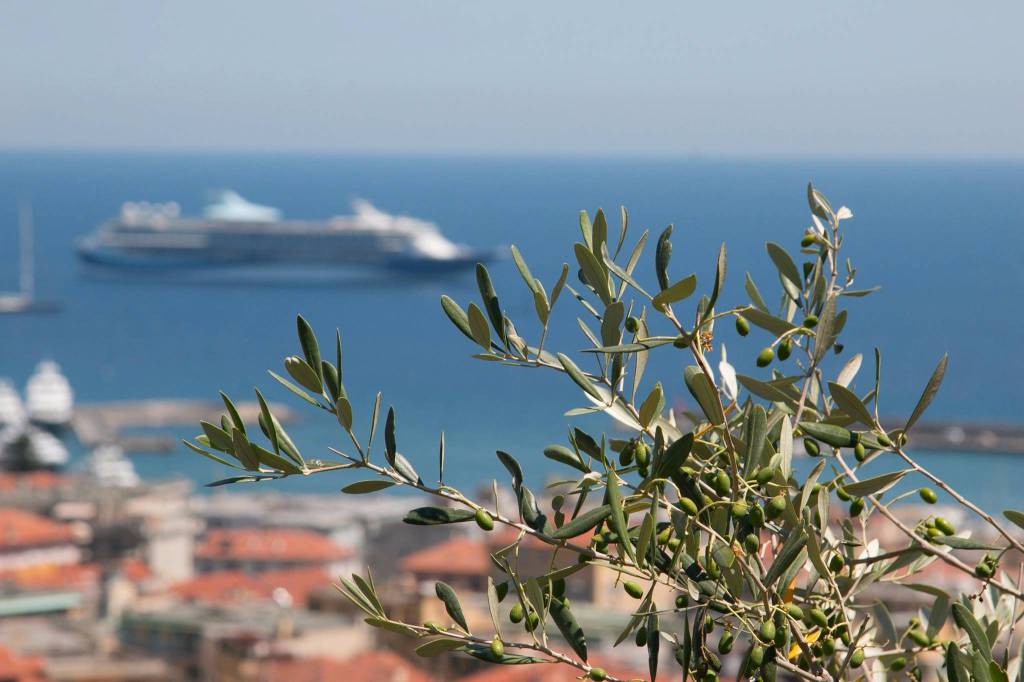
column 566, row 155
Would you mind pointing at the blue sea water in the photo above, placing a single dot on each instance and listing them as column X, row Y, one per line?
column 943, row 239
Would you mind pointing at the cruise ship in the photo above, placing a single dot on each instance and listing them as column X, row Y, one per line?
column 236, row 232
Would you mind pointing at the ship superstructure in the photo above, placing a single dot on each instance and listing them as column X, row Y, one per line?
column 234, row 231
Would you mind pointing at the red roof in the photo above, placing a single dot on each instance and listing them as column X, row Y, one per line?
column 40, row 480
column 506, row 535
column 457, row 556
column 134, row 569
column 231, row 587
column 269, row 544
column 22, row 529
column 20, row 668
column 52, row 576
column 372, row 666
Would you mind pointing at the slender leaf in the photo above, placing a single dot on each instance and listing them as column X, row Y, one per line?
column 703, row 391
column 364, row 487
column 458, row 316
column 851, row 404
column 579, row 377
column 682, row 289
column 437, row 516
column 662, row 256
column 966, row 621
column 310, row 347
column 583, row 523
column 930, row 389
column 875, row 484
column 618, row 518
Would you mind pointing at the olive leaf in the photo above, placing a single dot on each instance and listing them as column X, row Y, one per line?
column 769, row 322
column 436, row 516
column 875, row 484
column 789, row 275
column 570, row 628
column 930, row 389
column 652, row 405
column 1014, row 516
column 447, row 595
column 390, row 446
column 370, row 486
column 490, row 300
column 618, row 518
column 833, row 435
column 851, row 404
column 436, row 646
column 457, row 315
column 562, row 454
column 310, row 347
column 662, row 255
column 677, row 292
column 966, row 621
column 582, row 523
column 703, row 391
column 577, row 376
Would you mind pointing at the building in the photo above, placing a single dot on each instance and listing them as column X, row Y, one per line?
column 224, row 588
column 255, row 550
column 15, row 668
column 204, row 642
column 371, row 666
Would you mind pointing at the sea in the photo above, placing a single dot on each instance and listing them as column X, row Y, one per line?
column 943, row 239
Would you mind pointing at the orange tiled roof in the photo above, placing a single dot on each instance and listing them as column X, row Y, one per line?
column 457, row 556
column 506, row 535
column 372, row 666
column 269, row 544
column 135, row 569
column 53, row 576
column 19, row 528
column 229, row 587
column 41, row 479
column 20, row 668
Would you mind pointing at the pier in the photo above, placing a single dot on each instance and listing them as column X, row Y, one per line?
column 99, row 423
column 964, row 436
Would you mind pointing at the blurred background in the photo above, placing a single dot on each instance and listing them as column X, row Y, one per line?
column 123, row 123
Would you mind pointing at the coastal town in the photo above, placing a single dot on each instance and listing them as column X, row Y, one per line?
column 104, row 576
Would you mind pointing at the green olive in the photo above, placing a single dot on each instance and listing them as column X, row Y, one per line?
column 484, row 520
column 633, row 589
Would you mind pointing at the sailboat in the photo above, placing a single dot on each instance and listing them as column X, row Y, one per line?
column 23, row 300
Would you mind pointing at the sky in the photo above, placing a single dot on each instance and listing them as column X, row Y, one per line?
column 839, row 79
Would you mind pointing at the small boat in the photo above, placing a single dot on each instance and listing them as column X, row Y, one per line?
column 234, row 232
column 49, row 399
column 109, row 466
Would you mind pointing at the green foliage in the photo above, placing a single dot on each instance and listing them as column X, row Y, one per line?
column 705, row 504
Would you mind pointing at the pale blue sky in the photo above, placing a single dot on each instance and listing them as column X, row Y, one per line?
column 867, row 78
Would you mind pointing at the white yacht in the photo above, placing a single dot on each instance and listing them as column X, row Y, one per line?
column 48, row 396
column 235, row 232
column 12, row 409
column 109, row 466
column 24, row 448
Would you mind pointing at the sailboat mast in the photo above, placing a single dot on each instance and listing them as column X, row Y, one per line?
column 25, row 242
